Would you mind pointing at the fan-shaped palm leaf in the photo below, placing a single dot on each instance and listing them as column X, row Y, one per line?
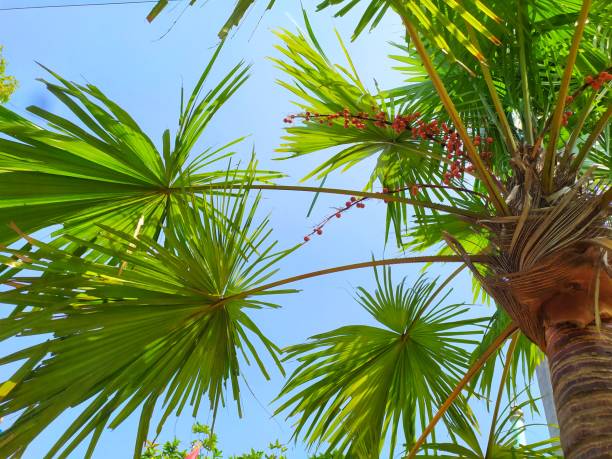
column 103, row 168
column 172, row 325
column 356, row 383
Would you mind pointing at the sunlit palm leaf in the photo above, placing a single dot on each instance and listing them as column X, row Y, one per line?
column 323, row 87
column 527, row 356
column 326, row 88
column 437, row 20
column 357, row 384
column 173, row 324
column 101, row 167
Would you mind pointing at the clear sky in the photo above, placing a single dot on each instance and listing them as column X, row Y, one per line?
column 114, row 48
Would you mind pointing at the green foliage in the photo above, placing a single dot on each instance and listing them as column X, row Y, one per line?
column 143, row 297
column 105, row 169
column 324, row 87
column 506, row 440
column 8, row 83
column 356, row 383
column 171, row 325
column 208, row 441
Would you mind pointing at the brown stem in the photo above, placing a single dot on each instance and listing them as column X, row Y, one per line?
column 464, row 381
column 337, row 269
column 370, row 264
column 344, row 192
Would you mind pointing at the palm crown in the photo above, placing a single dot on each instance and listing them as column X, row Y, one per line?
column 493, row 155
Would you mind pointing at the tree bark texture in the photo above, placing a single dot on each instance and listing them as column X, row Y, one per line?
column 580, row 362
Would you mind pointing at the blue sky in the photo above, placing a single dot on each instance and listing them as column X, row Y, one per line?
column 114, row 48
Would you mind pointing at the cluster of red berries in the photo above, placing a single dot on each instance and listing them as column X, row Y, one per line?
column 566, row 116
column 353, row 202
column 355, row 120
column 456, row 153
column 434, row 131
column 359, row 203
column 596, row 82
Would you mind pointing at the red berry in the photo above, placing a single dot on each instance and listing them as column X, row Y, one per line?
column 306, row 239
column 353, row 199
column 319, row 231
column 489, row 139
column 348, row 203
column 338, row 215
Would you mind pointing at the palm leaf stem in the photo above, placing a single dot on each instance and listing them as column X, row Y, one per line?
column 499, row 109
column 502, row 383
column 548, row 122
column 511, row 328
column 555, row 128
column 364, row 194
column 584, row 113
column 528, row 128
column 364, row 264
column 483, row 172
column 597, row 129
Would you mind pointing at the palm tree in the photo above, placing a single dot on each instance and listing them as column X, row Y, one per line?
column 481, row 161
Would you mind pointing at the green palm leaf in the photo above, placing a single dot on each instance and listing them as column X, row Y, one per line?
column 437, row 20
column 527, row 356
column 403, row 161
column 102, row 168
column 357, row 384
column 173, row 325
column 327, row 88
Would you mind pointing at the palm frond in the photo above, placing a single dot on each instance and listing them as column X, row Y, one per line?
column 325, row 88
column 437, row 19
column 101, row 167
column 527, row 356
column 357, row 384
column 173, row 325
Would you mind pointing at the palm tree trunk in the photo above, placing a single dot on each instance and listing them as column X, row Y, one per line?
column 580, row 362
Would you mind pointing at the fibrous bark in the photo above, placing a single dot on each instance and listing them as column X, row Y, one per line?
column 580, row 360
